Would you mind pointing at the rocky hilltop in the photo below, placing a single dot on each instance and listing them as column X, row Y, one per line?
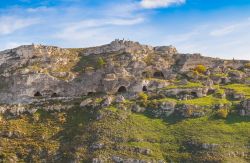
column 122, row 102
column 36, row 70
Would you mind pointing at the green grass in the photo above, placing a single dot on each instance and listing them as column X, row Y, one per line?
column 205, row 101
column 220, row 75
column 167, row 140
column 239, row 88
column 188, row 85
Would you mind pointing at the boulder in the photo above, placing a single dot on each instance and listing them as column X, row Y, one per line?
column 138, row 109
column 189, row 111
column 86, row 102
column 238, row 96
column 235, row 75
column 119, row 99
column 245, row 107
column 107, row 101
column 97, row 146
column 163, row 109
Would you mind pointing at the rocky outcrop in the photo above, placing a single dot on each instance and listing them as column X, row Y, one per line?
column 162, row 109
column 186, row 93
column 121, row 45
column 245, row 108
column 33, row 72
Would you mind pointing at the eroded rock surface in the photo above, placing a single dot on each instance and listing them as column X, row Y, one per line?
column 36, row 71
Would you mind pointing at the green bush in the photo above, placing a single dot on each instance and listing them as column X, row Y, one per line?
column 100, row 62
column 200, row 69
column 222, row 113
column 143, row 97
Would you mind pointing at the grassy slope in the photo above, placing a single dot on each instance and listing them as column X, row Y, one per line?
column 72, row 132
column 239, row 88
column 167, row 140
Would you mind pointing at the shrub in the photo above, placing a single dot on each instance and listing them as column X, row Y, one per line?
column 200, row 69
column 247, row 65
column 153, row 104
column 149, row 59
column 100, row 62
column 143, row 97
column 222, row 113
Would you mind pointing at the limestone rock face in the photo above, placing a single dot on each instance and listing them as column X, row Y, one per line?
column 119, row 45
column 166, row 49
column 34, row 72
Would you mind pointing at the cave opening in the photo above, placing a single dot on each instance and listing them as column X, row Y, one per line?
column 38, row 94
column 194, row 94
column 54, row 95
column 90, row 93
column 122, row 89
column 158, row 74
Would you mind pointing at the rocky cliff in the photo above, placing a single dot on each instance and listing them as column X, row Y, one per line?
column 124, row 103
column 35, row 70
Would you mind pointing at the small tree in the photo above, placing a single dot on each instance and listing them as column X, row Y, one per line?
column 222, row 113
column 200, row 69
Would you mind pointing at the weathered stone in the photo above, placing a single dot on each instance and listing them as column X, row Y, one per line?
column 245, row 107
column 96, row 146
column 119, row 99
column 138, row 109
column 25, row 81
column 107, row 102
column 86, row 102
column 238, row 96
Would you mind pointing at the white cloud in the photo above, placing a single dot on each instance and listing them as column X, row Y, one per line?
column 149, row 4
column 10, row 24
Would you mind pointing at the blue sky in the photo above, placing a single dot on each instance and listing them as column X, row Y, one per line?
column 218, row 28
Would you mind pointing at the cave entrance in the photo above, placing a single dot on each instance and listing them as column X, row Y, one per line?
column 54, row 95
column 90, row 93
column 144, row 89
column 194, row 94
column 122, row 89
column 158, row 74
column 37, row 94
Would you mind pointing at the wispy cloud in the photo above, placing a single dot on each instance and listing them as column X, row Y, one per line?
column 10, row 24
column 228, row 29
column 150, row 4
column 88, row 28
